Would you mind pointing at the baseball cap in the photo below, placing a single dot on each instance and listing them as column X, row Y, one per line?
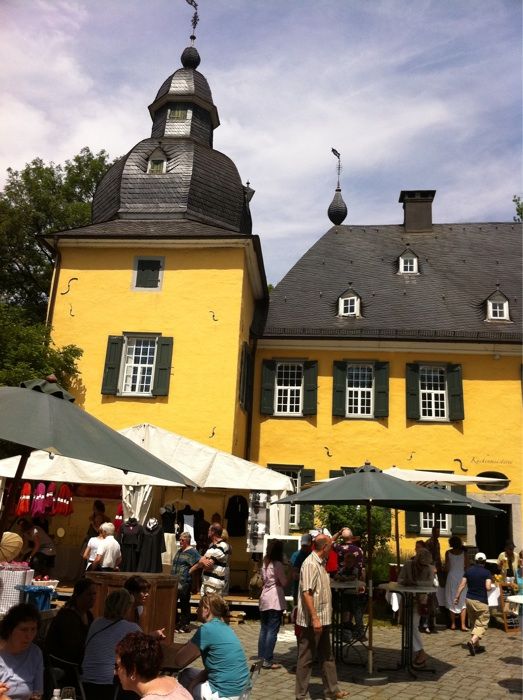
column 305, row 539
column 480, row 557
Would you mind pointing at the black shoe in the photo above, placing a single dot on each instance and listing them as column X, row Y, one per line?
column 471, row 648
column 480, row 650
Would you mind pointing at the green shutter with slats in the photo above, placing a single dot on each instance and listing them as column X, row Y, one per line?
column 306, row 511
column 412, row 389
column 455, row 392
column 163, row 364
column 113, row 358
column 459, row 520
column 335, row 473
column 268, row 377
column 412, row 521
column 339, row 388
column 381, row 389
column 310, row 387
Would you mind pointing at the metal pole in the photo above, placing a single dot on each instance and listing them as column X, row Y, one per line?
column 15, row 487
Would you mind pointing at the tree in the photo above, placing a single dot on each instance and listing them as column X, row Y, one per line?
column 519, row 208
column 40, row 199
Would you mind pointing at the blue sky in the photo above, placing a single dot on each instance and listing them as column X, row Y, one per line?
column 413, row 93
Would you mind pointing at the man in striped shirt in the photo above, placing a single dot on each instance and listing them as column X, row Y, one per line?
column 314, row 620
column 213, row 562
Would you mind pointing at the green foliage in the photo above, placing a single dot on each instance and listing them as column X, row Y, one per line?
column 335, row 517
column 518, row 202
column 27, row 351
column 40, row 199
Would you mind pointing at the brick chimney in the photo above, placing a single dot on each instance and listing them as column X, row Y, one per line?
column 417, row 208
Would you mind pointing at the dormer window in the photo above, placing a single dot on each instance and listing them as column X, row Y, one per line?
column 157, row 164
column 497, row 307
column 408, row 263
column 349, row 304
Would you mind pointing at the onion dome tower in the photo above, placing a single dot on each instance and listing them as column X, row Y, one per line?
column 176, row 173
column 337, row 210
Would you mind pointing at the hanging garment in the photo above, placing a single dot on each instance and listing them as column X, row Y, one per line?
column 201, row 532
column 168, row 516
column 64, row 501
column 153, row 545
column 130, row 539
column 236, row 514
column 24, row 502
column 188, row 521
column 50, row 496
column 118, row 518
column 38, row 504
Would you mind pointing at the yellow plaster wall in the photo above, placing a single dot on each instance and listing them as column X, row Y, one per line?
column 489, row 439
column 198, row 305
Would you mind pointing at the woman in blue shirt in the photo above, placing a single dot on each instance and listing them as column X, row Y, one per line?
column 21, row 663
column 226, row 673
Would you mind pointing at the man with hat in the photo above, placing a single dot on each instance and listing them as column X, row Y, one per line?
column 478, row 581
column 297, row 559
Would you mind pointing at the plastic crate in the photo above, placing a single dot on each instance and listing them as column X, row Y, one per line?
column 39, row 596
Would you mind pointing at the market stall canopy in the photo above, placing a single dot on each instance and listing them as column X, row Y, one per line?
column 425, row 478
column 206, row 466
column 191, row 460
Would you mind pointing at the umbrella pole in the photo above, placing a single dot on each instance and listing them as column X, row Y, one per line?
column 15, row 486
column 397, row 536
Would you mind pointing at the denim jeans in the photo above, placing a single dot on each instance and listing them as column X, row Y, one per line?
column 270, row 624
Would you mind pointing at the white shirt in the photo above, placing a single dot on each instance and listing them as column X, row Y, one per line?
column 93, row 544
column 109, row 550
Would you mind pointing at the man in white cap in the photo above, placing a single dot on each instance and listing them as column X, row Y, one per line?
column 479, row 582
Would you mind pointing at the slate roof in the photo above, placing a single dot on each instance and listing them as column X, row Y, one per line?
column 460, row 266
column 136, row 229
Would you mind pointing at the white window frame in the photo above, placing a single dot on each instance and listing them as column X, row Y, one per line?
column 408, row 260
column 497, row 310
column 360, row 393
column 433, row 396
column 161, row 260
column 127, row 365
column 428, row 520
column 156, row 160
column 294, row 475
column 349, row 305
column 173, row 108
column 280, row 390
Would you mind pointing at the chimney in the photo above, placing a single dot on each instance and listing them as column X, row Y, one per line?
column 417, row 208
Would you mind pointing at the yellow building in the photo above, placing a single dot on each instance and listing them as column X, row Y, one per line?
column 396, row 344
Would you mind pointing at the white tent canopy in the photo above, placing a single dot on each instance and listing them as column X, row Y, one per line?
column 426, row 478
column 206, row 466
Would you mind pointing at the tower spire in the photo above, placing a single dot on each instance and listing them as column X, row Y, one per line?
column 337, row 210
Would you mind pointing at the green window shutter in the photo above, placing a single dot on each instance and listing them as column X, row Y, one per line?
column 113, row 358
column 335, row 473
column 310, row 388
column 339, row 388
column 148, row 273
column 412, row 388
column 381, row 389
column 267, row 387
column 455, row 392
column 163, row 364
column 306, row 511
column 459, row 520
column 412, row 519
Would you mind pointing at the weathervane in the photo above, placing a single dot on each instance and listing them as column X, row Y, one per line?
column 195, row 18
column 338, row 156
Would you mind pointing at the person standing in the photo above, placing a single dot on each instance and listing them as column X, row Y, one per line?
column 272, row 602
column 313, row 622
column 434, row 548
column 418, row 571
column 42, row 552
column 108, row 555
column 347, row 546
column 183, row 560
column 214, row 562
column 478, row 581
column 455, row 567
column 508, row 560
column 297, row 559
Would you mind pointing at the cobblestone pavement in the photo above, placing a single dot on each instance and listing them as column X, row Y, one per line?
column 494, row 674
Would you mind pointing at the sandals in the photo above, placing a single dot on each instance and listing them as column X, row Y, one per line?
column 271, row 667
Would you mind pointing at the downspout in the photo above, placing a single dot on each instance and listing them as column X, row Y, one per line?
column 54, row 284
column 248, row 436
